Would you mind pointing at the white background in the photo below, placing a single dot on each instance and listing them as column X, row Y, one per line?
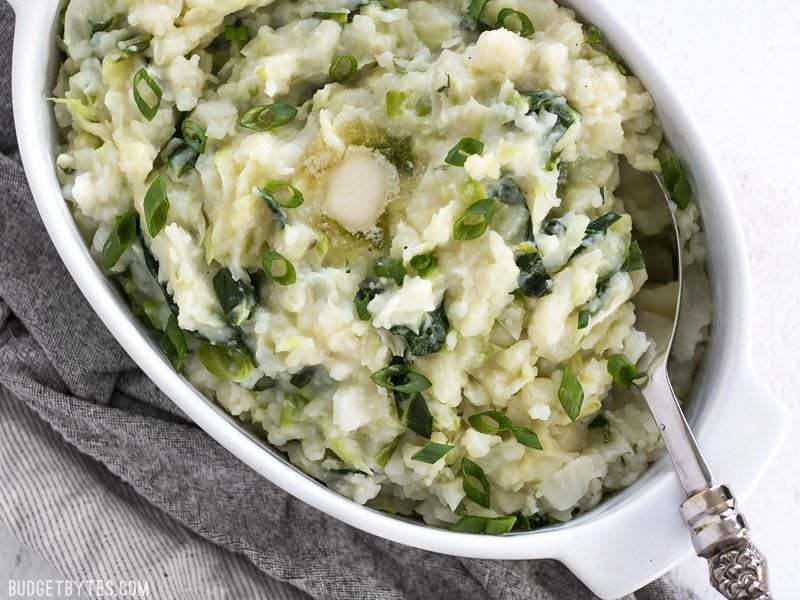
column 738, row 64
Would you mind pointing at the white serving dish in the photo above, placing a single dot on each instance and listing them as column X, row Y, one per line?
column 632, row 537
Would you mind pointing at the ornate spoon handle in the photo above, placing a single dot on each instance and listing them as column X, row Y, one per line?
column 737, row 569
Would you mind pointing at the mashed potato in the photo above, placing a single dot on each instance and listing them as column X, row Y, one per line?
column 387, row 235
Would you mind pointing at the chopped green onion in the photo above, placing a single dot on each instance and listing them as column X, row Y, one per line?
column 485, row 525
column 476, row 8
column 473, row 223
column 182, row 159
column 230, row 363
column 276, row 210
column 174, row 343
column 534, row 521
column 390, row 268
column 570, row 394
column 303, row 377
column 479, row 422
column 476, row 485
column 282, row 193
column 423, row 263
column 120, row 238
column 194, row 135
column 110, row 25
column 134, row 45
column 148, row 110
column 583, row 318
column 414, row 413
column 602, row 223
column 533, row 278
column 553, row 227
column 394, row 103
column 236, row 297
column 399, row 152
column 597, row 39
column 268, row 116
column 339, row 17
column 525, row 26
column 523, row 435
column 343, row 68
column 283, row 273
column 431, row 335
column 432, row 452
column 385, row 453
column 465, row 147
column 526, row 437
column 676, row 181
column 367, row 290
column 401, row 379
column 622, row 370
column 507, row 191
column 265, row 383
column 156, row 207
column 634, row 260
column 556, row 105
column 238, row 35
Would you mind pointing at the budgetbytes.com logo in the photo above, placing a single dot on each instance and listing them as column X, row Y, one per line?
column 70, row 588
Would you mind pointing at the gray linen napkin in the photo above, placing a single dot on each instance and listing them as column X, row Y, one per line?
column 119, row 484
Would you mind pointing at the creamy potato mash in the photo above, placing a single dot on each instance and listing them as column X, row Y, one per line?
column 388, row 236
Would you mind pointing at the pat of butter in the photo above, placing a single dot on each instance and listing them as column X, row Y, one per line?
column 359, row 188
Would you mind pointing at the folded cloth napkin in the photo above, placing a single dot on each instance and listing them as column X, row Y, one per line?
column 105, row 478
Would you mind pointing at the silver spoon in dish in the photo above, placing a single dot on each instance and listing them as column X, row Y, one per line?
column 737, row 569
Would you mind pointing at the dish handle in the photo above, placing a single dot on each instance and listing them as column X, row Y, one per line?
column 632, row 547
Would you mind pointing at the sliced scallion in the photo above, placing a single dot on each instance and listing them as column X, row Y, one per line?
column 526, row 437
column 485, row 525
column 120, row 238
column 238, row 35
column 394, row 103
column 533, row 279
column 268, row 116
column 173, row 341
column 423, row 263
column 367, row 290
column 473, row 223
column 401, row 379
column 602, row 223
column 476, row 8
column 480, row 422
column 236, row 297
column 570, row 394
column 523, row 25
column 429, row 338
column 385, row 453
column 414, row 413
column 343, row 68
column 390, row 268
column 194, row 134
column 623, row 371
column 231, row 363
column 134, row 45
column 148, row 109
column 340, row 17
column 432, row 452
column 634, row 259
column 282, row 193
column 465, row 147
column 156, row 207
column 676, row 181
column 476, row 485
column 583, row 318
column 278, row 268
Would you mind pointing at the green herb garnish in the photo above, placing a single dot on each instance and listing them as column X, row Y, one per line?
column 390, row 268
column 413, row 412
column 367, row 290
column 676, row 180
column 156, row 207
column 394, row 103
column 465, row 147
column 173, row 341
column 483, row 422
column 523, row 25
column 278, row 268
column 533, row 279
column 476, row 485
column 622, row 370
column 570, row 394
column 473, row 223
column 236, row 297
column 281, row 193
column 148, row 109
column 431, row 336
column 423, row 263
column 268, row 116
column 343, row 68
column 432, row 452
column 634, row 259
column 485, row 525
column 231, row 363
column 194, row 135
column 583, row 318
column 401, row 379
column 120, row 238
column 386, row 452
column 134, row 45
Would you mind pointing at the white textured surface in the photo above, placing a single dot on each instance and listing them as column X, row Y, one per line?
column 737, row 63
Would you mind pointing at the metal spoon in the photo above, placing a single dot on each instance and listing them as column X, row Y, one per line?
column 719, row 532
